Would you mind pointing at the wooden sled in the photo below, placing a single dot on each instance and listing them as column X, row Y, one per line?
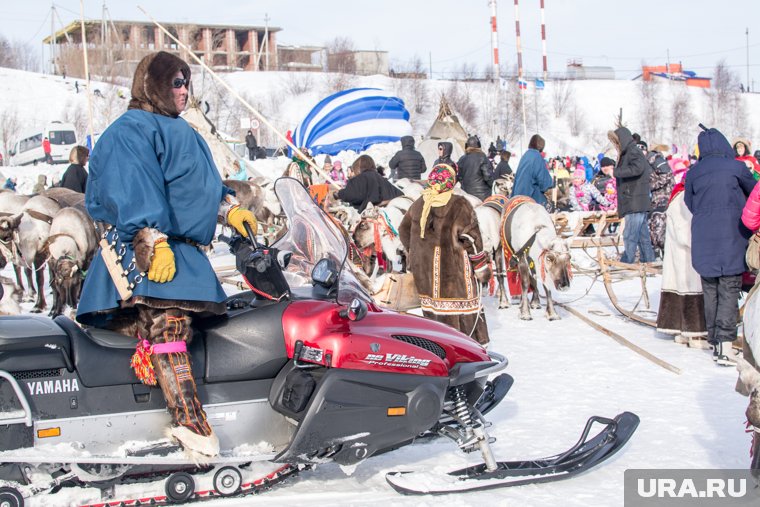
column 399, row 293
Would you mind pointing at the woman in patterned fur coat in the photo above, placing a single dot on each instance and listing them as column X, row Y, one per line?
column 441, row 235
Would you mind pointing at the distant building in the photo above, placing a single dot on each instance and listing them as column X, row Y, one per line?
column 364, row 63
column 301, row 58
column 674, row 72
column 576, row 70
column 114, row 47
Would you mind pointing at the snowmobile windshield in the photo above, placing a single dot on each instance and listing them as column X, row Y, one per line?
column 312, row 236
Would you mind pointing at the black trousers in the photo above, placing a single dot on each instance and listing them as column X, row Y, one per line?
column 721, row 296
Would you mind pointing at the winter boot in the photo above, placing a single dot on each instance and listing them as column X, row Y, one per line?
column 724, row 354
column 698, row 342
column 681, row 339
column 174, row 375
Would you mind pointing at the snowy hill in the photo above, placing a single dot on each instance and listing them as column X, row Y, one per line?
column 564, row 371
column 573, row 116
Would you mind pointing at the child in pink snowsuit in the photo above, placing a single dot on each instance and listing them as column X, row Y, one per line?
column 584, row 194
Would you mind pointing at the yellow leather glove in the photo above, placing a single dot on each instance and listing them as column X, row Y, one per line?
column 162, row 268
column 238, row 216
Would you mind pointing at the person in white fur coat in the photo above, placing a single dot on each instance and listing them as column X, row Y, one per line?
column 682, row 311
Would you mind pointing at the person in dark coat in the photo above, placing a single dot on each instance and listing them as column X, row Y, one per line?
column 502, row 168
column 632, row 175
column 407, row 162
column 474, row 170
column 154, row 181
column 366, row 186
column 715, row 192
column 445, row 149
column 251, row 144
column 75, row 176
column 532, row 178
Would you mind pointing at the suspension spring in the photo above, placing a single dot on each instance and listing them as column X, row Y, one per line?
column 461, row 410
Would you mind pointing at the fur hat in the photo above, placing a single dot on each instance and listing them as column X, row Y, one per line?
column 537, row 143
column 151, row 86
column 472, row 142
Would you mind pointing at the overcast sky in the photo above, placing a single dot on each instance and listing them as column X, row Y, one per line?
column 449, row 33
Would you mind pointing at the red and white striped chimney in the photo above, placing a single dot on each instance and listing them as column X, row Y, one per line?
column 543, row 38
column 494, row 41
column 519, row 47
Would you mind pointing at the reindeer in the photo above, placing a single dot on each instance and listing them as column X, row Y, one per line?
column 489, row 221
column 71, row 246
column 12, row 204
column 504, row 185
column 749, row 374
column 28, row 231
column 528, row 234
column 10, row 295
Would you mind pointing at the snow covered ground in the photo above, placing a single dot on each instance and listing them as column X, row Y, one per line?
column 564, row 372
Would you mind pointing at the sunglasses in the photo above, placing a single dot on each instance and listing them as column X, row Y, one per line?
column 180, row 82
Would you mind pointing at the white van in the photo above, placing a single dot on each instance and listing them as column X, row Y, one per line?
column 28, row 148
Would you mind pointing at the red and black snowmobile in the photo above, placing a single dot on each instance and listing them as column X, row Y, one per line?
column 303, row 369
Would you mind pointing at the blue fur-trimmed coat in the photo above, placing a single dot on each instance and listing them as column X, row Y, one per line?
column 149, row 170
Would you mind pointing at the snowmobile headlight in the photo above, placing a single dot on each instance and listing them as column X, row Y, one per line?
column 49, row 432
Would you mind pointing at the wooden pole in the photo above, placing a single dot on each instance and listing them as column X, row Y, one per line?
column 622, row 341
column 237, row 96
column 87, row 76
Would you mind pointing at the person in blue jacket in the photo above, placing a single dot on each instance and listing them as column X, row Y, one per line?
column 715, row 192
column 532, row 178
column 153, row 181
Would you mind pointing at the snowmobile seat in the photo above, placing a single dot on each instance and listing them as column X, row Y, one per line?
column 247, row 344
column 102, row 357
column 31, row 342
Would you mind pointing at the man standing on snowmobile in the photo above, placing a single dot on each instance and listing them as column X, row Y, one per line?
column 153, row 180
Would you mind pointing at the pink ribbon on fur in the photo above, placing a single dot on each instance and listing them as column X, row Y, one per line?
column 166, row 348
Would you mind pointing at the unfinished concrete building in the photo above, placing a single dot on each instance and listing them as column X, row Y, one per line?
column 115, row 47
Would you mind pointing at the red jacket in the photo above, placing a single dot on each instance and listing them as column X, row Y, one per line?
column 46, row 145
column 751, row 211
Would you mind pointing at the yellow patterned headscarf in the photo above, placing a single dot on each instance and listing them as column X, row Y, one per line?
column 441, row 181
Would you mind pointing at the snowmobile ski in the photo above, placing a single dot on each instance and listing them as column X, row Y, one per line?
column 584, row 455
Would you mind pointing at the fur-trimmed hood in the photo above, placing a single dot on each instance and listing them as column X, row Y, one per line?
column 151, row 86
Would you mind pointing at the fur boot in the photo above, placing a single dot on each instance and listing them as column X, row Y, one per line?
column 175, row 377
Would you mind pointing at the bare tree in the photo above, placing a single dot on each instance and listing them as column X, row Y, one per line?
column 726, row 105
column 650, row 115
column 411, row 86
column 683, row 121
column 563, row 91
column 17, row 55
column 341, row 63
column 576, row 118
column 10, row 128
column 461, row 101
column 340, row 55
column 297, row 83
